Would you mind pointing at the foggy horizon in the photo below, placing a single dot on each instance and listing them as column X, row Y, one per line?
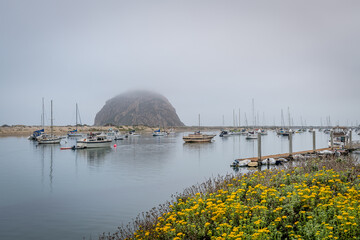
column 206, row 57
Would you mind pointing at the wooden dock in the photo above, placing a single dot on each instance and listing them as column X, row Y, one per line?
column 285, row 155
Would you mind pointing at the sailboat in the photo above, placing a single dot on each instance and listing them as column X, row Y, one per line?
column 49, row 139
column 198, row 137
column 158, row 133
column 75, row 133
column 39, row 132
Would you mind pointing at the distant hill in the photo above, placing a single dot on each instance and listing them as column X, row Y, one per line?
column 138, row 108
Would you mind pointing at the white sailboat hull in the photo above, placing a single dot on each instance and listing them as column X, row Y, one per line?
column 49, row 141
column 93, row 144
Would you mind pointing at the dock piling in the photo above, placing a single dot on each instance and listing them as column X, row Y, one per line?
column 350, row 139
column 259, row 146
column 332, row 139
column 290, row 144
column 314, row 141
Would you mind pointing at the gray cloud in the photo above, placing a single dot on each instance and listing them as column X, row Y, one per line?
column 206, row 57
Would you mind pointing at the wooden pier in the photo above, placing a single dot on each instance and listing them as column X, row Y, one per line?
column 285, row 155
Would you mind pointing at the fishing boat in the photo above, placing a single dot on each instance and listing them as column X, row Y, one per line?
column 94, row 141
column 51, row 138
column 198, row 137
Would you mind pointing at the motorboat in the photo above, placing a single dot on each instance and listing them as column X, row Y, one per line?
column 114, row 135
column 94, row 141
column 132, row 133
column 198, row 137
column 224, row 133
column 252, row 135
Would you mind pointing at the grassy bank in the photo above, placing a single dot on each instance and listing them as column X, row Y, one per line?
column 318, row 199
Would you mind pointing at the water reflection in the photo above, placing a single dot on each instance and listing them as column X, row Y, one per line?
column 44, row 151
column 94, row 156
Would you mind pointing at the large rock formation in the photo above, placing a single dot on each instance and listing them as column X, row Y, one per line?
column 138, row 108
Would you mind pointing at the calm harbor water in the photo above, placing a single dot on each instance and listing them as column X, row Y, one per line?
column 48, row 193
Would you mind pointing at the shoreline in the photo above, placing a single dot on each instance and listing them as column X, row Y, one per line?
column 25, row 130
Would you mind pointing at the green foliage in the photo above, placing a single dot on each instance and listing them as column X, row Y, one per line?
column 305, row 202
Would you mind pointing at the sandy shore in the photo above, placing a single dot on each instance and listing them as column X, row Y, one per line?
column 23, row 130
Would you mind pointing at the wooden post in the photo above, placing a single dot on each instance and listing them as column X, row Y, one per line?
column 314, row 141
column 259, row 146
column 332, row 139
column 290, row 143
column 350, row 139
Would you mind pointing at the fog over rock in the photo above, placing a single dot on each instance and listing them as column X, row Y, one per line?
column 138, row 108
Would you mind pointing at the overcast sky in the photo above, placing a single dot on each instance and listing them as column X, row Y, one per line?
column 206, row 57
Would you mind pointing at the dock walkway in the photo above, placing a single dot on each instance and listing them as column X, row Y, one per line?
column 285, row 155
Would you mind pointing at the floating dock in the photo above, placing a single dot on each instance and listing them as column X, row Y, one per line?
column 286, row 155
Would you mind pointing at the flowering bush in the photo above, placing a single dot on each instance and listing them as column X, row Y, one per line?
column 293, row 203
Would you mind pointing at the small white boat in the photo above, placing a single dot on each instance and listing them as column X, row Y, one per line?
column 159, row 133
column 114, row 135
column 224, row 133
column 252, row 135
column 94, row 141
column 263, row 132
column 268, row 161
column 132, row 133
column 240, row 163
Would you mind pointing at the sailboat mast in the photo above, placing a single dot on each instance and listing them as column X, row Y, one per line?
column 289, row 117
column 239, row 119
column 43, row 115
column 51, row 127
column 199, row 122
column 234, row 117
column 253, row 113
column 76, row 116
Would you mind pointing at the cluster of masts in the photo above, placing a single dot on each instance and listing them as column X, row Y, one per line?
column 285, row 121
